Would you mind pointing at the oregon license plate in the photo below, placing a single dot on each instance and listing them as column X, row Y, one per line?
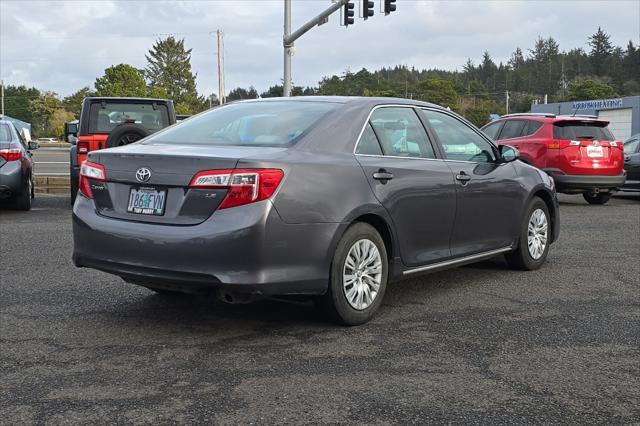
column 595, row 151
column 147, row 201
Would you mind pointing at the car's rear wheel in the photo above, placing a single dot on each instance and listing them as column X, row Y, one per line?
column 535, row 237
column 597, row 198
column 358, row 279
column 23, row 201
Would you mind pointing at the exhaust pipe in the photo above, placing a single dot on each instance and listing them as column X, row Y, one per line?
column 235, row 298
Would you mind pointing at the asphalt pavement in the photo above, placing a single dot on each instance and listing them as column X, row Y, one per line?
column 478, row 344
column 51, row 161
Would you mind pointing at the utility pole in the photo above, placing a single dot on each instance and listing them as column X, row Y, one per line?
column 507, row 101
column 221, row 95
column 2, row 96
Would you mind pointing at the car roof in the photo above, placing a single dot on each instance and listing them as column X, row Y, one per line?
column 124, row 98
column 552, row 118
column 351, row 100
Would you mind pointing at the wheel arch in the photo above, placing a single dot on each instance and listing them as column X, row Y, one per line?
column 545, row 196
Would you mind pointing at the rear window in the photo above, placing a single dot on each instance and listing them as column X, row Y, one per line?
column 5, row 133
column 269, row 123
column 572, row 130
column 104, row 117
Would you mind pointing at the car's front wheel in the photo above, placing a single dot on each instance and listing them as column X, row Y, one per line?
column 535, row 237
column 597, row 198
column 358, row 279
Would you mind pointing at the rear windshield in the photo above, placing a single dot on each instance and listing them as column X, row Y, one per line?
column 571, row 130
column 103, row 117
column 5, row 133
column 253, row 123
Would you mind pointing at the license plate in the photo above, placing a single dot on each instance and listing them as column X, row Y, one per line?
column 594, row 151
column 147, row 201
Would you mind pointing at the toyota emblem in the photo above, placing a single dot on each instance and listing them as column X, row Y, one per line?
column 143, row 174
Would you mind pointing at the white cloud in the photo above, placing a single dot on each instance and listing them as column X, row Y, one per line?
column 63, row 46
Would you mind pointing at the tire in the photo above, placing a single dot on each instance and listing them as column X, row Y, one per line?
column 522, row 257
column 599, row 198
column 74, row 190
column 335, row 302
column 23, row 201
column 126, row 133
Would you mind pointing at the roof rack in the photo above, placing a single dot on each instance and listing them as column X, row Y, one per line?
column 524, row 114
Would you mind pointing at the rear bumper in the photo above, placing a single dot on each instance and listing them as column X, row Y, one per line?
column 582, row 183
column 246, row 249
column 10, row 179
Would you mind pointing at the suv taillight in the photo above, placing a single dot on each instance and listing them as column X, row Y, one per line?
column 245, row 185
column 83, row 147
column 11, row 154
column 92, row 171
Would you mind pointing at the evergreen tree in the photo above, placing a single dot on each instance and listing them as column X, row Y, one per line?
column 601, row 49
column 169, row 68
column 121, row 80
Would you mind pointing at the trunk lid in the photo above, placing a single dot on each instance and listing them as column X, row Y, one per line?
column 164, row 195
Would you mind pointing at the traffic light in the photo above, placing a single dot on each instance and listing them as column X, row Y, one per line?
column 389, row 6
column 367, row 8
column 349, row 13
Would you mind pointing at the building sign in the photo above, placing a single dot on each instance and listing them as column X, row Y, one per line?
column 598, row 104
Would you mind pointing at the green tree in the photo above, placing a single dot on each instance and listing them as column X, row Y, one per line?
column 43, row 108
column 241, row 93
column 55, row 126
column 438, row 91
column 590, row 89
column 169, row 67
column 121, row 80
column 73, row 102
column 601, row 49
column 17, row 102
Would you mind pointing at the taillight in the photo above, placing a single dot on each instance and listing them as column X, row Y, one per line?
column 11, row 154
column 245, row 185
column 562, row 143
column 83, row 147
column 93, row 171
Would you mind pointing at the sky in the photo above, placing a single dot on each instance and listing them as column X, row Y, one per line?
column 64, row 45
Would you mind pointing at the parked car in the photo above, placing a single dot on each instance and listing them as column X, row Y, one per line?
column 16, row 166
column 632, row 164
column 47, row 140
column 107, row 122
column 324, row 196
column 578, row 151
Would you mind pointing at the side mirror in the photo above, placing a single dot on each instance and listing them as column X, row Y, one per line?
column 70, row 131
column 508, row 153
column 33, row 145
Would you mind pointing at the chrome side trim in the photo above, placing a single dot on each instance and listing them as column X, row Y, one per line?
column 456, row 261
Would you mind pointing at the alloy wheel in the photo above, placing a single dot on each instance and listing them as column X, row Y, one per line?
column 362, row 274
column 537, row 233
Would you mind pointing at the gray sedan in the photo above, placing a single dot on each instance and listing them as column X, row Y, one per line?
column 16, row 167
column 327, row 197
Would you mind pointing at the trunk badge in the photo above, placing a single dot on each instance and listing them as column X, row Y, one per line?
column 143, row 174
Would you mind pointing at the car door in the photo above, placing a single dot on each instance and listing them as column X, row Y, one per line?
column 415, row 187
column 632, row 159
column 488, row 192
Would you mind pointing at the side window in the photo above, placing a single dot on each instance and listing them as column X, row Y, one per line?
column 401, row 133
column 368, row 144
column 531, row 127
column 512, row 129
column 492, row 129
column 459, row 141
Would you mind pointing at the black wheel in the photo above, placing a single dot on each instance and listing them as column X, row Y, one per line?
column 126, row 133
column 23, row 201
column 533, row 244
column 599, row 198
column 358, row 276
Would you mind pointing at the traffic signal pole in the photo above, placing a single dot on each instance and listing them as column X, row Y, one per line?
column 289, row 37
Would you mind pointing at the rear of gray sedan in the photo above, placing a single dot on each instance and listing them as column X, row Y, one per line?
column 190, row 208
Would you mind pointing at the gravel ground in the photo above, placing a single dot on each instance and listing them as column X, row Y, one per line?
column 478, row 344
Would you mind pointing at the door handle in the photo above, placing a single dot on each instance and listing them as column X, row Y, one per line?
column 463, row 178
column 382, row 175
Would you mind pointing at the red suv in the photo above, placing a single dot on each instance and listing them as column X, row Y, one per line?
column 578, row 151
